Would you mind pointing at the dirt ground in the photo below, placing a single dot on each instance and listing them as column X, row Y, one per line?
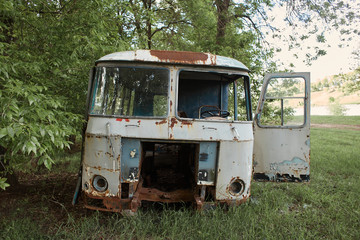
column 44, row 198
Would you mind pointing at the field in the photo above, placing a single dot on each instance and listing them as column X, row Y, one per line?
column 327, row 208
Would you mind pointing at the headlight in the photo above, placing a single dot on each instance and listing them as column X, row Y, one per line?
column 236, row 187
column 100, row 183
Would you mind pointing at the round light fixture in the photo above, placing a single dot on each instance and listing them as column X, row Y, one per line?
column 100, row 183
column 236, row 187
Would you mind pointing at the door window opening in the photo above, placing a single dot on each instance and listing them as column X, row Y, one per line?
column 284, row 103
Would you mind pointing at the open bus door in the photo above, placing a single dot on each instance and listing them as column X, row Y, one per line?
column 282, row 129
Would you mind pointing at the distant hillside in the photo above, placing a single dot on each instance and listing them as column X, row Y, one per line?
column 322, row 98
column 334, row 95
column 342, row 89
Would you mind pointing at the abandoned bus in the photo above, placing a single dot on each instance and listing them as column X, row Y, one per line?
column 168, row 126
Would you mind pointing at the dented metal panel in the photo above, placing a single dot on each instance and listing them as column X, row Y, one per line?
column 102, row 156
column 235, row 164
column 283, row 156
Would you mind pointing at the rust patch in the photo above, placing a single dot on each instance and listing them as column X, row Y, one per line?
column 186, row 123
column 199, row 203
column 155, row 195
column 161, row 122
column 180, row 57
column 173, row 122
column 110, row 204
column 97, row 168
column 171, row 136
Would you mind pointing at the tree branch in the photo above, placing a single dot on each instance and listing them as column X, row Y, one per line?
column 168, row 26
column 251, row 21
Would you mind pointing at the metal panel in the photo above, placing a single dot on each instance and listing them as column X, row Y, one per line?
column 129, row 127
column 102, row 157
column 235, row 162
column 210, row 130
column 175, row 57
column 207, row 163
column 282, row 153
column 130, row 158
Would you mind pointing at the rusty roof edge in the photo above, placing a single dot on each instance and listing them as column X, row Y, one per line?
column 175, row 57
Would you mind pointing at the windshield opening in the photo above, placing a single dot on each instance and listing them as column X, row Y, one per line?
column 130, row 91
column 211, row 96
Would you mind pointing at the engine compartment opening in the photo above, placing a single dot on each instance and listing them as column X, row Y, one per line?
column 169, row 167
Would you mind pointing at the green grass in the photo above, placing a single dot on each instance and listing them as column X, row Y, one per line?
column 348, row 120
column 315, row 119
column 326, row 208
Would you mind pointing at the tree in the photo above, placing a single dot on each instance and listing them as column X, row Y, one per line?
column 350, row 82
column 46, row 49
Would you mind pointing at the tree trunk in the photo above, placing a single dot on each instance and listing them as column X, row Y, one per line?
column 147, row 5
column 222, row 7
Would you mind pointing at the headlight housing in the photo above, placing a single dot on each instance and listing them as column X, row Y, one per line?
column 100, row 183
column 236, row 187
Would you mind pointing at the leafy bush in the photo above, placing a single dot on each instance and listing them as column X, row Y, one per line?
column 33, row 124
column 336, row 108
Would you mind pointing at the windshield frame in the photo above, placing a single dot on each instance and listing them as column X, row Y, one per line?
column 127, row 65
column 218, row 70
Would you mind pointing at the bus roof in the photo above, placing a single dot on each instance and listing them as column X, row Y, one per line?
column 175, row 57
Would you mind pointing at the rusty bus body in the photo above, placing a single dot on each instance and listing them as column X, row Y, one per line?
column 167, row 126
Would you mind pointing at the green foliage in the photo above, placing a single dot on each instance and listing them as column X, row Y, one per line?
column 315, row 20
column 33, row 123
column 46, row 49
column 347, row 82
column 350, row 81
column 336, row 108
column 3, row 184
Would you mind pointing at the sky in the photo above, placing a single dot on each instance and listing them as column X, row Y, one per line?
column 337, row 60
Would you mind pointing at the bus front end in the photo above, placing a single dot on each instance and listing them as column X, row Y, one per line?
column 164, row 130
